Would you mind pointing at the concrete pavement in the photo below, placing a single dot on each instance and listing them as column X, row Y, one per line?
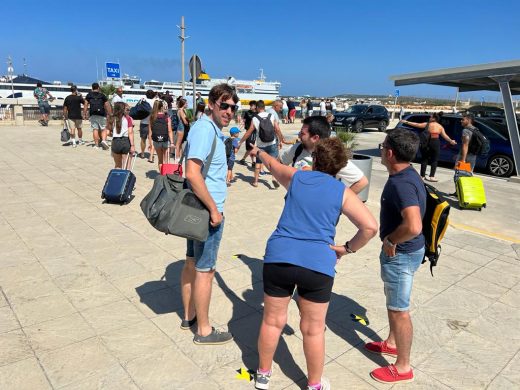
column 90, row 292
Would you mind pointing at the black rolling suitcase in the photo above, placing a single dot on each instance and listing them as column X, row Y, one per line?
column 120, row 184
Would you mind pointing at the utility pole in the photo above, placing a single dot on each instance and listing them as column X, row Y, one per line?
column 182, row 38
column 10, row 72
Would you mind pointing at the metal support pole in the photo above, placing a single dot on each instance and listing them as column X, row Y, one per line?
column 194, row 82
column 456, row 99
column 512, row 125
column 182, row 38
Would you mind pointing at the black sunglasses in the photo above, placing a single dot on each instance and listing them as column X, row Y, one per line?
column 382, row 146
column 225, row 106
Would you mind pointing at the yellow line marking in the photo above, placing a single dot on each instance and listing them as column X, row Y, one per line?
column 502, row 237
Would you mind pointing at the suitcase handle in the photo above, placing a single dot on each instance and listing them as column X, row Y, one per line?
column 133, row 158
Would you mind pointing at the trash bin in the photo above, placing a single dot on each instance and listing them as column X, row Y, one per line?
column 364, row 163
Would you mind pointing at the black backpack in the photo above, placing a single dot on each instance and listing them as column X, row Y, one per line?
column 97, row 104
column 265, row 128
column 141, row 110
column 479, row 144
column 228, row 143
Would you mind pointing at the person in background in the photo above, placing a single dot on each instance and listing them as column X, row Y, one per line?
column 285, row 111
column 122, row 135
column 310, row 108
column 247, row 118
column 98, row 108
column 302, row 253
column 467, row 132
column 269, row 147
column 160, row 131
column 118, row 96
column 403, row 204
column 43, row 96
column 303, row 109
column 431, row 150
column 143, row 127
column 233, row 132
column 183, row 126
column 72, row 114
column 201, row 107
column 292, row 110
column 323, row 108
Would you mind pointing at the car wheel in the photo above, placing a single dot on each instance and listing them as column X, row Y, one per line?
column 358, row 126
column 382, row 126
column 500, row 165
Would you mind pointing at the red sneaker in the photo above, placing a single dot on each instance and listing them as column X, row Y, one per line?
column 389, row 374
column 381, row 347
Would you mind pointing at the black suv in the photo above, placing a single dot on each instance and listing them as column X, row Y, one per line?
column 362, row 116
column 499, row 160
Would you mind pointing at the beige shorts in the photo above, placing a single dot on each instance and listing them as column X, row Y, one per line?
column 98, row 122
column 74, row 124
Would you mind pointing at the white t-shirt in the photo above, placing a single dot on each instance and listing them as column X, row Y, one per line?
column 349, row 174
column 274, row 114
column 322, row 107
column 256, row 124
column 333, row 105
column 117, row 99
column 125, row 124
column 284, row 105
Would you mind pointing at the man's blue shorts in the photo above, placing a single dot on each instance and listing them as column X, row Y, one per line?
column 205, row 252
column 397, row 274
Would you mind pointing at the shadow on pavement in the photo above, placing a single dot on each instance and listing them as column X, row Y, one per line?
column 246, row 336
column 158, row 297
column 341, row 323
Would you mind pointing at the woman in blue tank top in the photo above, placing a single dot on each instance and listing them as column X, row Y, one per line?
column 301, row 253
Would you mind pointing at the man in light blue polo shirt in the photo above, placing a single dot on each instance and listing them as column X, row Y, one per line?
column 199, row 268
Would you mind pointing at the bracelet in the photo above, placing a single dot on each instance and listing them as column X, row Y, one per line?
column 347, row 247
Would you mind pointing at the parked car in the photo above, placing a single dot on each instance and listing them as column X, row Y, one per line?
column 499, row 161
column 362, row 116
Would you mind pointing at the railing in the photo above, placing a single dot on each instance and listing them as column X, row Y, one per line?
column 33, row 113
column 6, row 113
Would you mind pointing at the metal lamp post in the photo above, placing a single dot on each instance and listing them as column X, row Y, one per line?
column 10, row 73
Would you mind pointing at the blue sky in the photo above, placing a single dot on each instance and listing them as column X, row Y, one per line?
column 319, row 48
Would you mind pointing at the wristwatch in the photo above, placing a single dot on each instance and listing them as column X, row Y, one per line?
column 389, row 243
column 347, row 247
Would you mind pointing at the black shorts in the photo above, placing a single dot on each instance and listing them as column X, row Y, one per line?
column 280, row 279
column 120, row 145
column 143, row 130
column 249, row 145
column 230, row 164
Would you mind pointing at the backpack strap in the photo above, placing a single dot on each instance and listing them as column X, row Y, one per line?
column 205, row 169
column 297, row 152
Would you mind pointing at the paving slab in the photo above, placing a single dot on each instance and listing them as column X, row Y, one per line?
column 90, row 292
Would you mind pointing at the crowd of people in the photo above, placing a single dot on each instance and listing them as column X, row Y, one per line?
column 302, row 252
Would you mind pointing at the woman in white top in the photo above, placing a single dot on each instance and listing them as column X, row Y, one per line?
column 122, row 134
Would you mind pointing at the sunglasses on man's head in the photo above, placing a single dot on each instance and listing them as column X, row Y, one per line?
column 224, row 106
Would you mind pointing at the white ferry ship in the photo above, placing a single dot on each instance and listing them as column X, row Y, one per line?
column 23, row 87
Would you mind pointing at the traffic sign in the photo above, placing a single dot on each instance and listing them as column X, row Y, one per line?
column 113, row 70
column 396, row 93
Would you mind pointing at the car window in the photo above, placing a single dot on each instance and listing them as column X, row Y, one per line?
column 369, row 111
column 379, row 110
column 490, row 134
column 356, row 109
column 452, row 127
column 418, row 118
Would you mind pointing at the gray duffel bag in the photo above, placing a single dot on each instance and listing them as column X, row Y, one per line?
column 172, row 208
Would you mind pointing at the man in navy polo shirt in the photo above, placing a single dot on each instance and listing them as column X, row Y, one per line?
column 403, row 203
column 201, row 257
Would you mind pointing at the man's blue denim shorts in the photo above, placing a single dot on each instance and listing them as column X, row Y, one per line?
column 271, row 150
column 397, row 274
column 205, row 252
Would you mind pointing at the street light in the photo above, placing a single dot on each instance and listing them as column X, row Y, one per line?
column 10, row 73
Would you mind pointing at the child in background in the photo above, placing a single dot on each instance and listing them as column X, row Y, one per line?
column 231, row 149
